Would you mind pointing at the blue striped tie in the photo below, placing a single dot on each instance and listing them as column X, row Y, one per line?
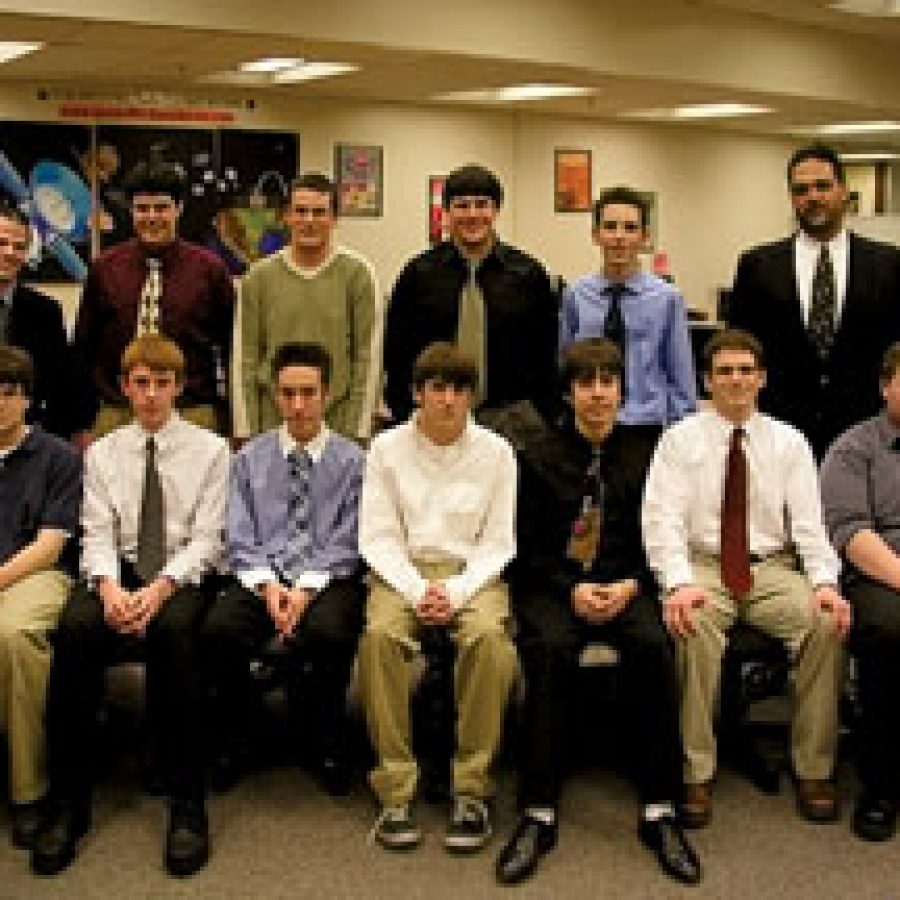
column 299, row 540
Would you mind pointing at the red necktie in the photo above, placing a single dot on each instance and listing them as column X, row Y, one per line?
column 734, row 548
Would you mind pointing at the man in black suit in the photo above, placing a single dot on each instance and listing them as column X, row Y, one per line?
column 825, row 304
column 34, row 322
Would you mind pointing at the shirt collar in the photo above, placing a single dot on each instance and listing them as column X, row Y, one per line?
column 724, row 427
column 164, row 436
column 314, row 447
column 631, row 285
column 838, row 244
column 288, row 259
column 164, row 254
column 5, row 454
column 441, row 449
column 889, row 432
column 7, row 295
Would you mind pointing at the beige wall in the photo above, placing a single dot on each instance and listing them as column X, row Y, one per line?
column 718, row 192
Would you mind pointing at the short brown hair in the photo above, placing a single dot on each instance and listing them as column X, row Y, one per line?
column 589, row 358
column 443, row 361
column 318, row 184
column 156, row 353
column 732, row 339
column 621, row 195
column 16, row 368
column 890, row 362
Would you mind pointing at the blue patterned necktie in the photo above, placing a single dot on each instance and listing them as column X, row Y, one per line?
column 299, row 539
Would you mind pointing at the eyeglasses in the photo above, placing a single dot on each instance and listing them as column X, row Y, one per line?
column 802, row 188
column 727, row 371
column 11, row 390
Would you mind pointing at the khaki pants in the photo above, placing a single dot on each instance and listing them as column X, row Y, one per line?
column 485, row 665
column 109, row 418
column 780, row 605
column 28, row 610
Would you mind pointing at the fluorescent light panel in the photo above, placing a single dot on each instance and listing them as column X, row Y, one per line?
column 698, row 111
column 10, row 50
column 271, row 64
column 858, row 127
column 312, row 70
column 874, row 8
column 869, row 157
column 518, row 93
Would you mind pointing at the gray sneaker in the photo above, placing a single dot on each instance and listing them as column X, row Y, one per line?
column 470, row 828
column 396, row 829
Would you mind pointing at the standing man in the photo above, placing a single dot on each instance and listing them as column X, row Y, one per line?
column 157, row 283
column 59, row 399
column 313, row 291
column 732, row 525
column 493, row 300
column 436, row 528
column 155, row 492
column 640, row 313
column 292, row 545
column 40, row 495
column 825, row 304
column 861, row 496
column 581, row 575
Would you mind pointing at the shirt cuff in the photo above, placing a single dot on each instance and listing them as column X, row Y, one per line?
column 679, row 575
column 251, row 579
column 313, row 580
column 457, row 591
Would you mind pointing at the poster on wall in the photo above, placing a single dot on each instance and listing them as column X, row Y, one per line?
column 237, row 183
column 45, row 171
column 572, row 180
column 435, row 209
column 359, row 176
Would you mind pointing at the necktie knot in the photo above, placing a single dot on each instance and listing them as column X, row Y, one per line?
column 300, row 461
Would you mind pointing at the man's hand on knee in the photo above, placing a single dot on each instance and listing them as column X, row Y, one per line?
column 679, row 606
column 827, row 599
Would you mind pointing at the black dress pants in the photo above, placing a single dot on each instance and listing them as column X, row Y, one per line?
column 318, row 660
column 551, row 638
column 83, row 647
column 875, row 641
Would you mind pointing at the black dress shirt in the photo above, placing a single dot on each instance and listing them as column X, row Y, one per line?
column 520, row 320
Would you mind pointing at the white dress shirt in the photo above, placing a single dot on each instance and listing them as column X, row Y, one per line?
column 806, row 256
column 682, row 506
column 312, row 579
column 193, row 468
column 422, row 502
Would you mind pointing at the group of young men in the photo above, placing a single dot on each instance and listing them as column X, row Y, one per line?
column 612, row 510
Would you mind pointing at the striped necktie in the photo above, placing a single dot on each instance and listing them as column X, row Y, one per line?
column 148, row 311
column 299, row 539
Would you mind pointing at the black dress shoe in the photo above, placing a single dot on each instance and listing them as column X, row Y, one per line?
column 529, row 842
column 874, row 819
column 56, row 843
column 187, row 840
column 27, row 820
column 666, row 839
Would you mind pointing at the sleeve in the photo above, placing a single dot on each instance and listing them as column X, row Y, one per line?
column 741, row 302
column 398, row 344
column 679, row 362
column 246, row 555
column 382, row 539
column 664, row 516
column 85, row 331
column 366, row 342
column 545, row 342
column 804, row 509
column 496, row 544
column 253, row 350
column 845, row 492
column 203, row 551
column 568, row 319
column 222, row 297
column 62, row 503
column 99, row 523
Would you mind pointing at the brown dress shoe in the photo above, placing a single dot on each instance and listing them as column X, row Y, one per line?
column 696, row 809
column 817, row 800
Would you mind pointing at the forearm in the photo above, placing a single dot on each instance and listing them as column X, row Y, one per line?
column 873, row 557
column 42, row 553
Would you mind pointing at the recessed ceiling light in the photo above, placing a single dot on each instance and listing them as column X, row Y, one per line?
column 858, row 127
column 311, row 70
column 876, row 8
column 10, row 50
column 271, row 64
column 698, row 111
column 878, row 156
column 518, row 92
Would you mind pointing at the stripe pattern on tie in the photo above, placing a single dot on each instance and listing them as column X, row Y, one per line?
column 299, row 538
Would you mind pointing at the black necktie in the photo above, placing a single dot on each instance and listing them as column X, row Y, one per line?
column 822, row 305
column 151, row 551
column 614, row 326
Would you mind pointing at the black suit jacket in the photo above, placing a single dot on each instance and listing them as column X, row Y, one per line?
column 61, row 401
column 821, row 398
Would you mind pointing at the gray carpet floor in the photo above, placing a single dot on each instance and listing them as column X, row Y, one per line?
column 276, row 836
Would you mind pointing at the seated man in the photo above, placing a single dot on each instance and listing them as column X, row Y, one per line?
column 861, row 497
column 731, row 507
column 153, row 513
column 292, row 542
column 436, row 526
column 40, row 493
column 581, row 575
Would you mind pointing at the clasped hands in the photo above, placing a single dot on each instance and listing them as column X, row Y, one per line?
column 598, row 603
column 679, row 605
column 130, row 612
column 434, row 606
column 286, row 606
